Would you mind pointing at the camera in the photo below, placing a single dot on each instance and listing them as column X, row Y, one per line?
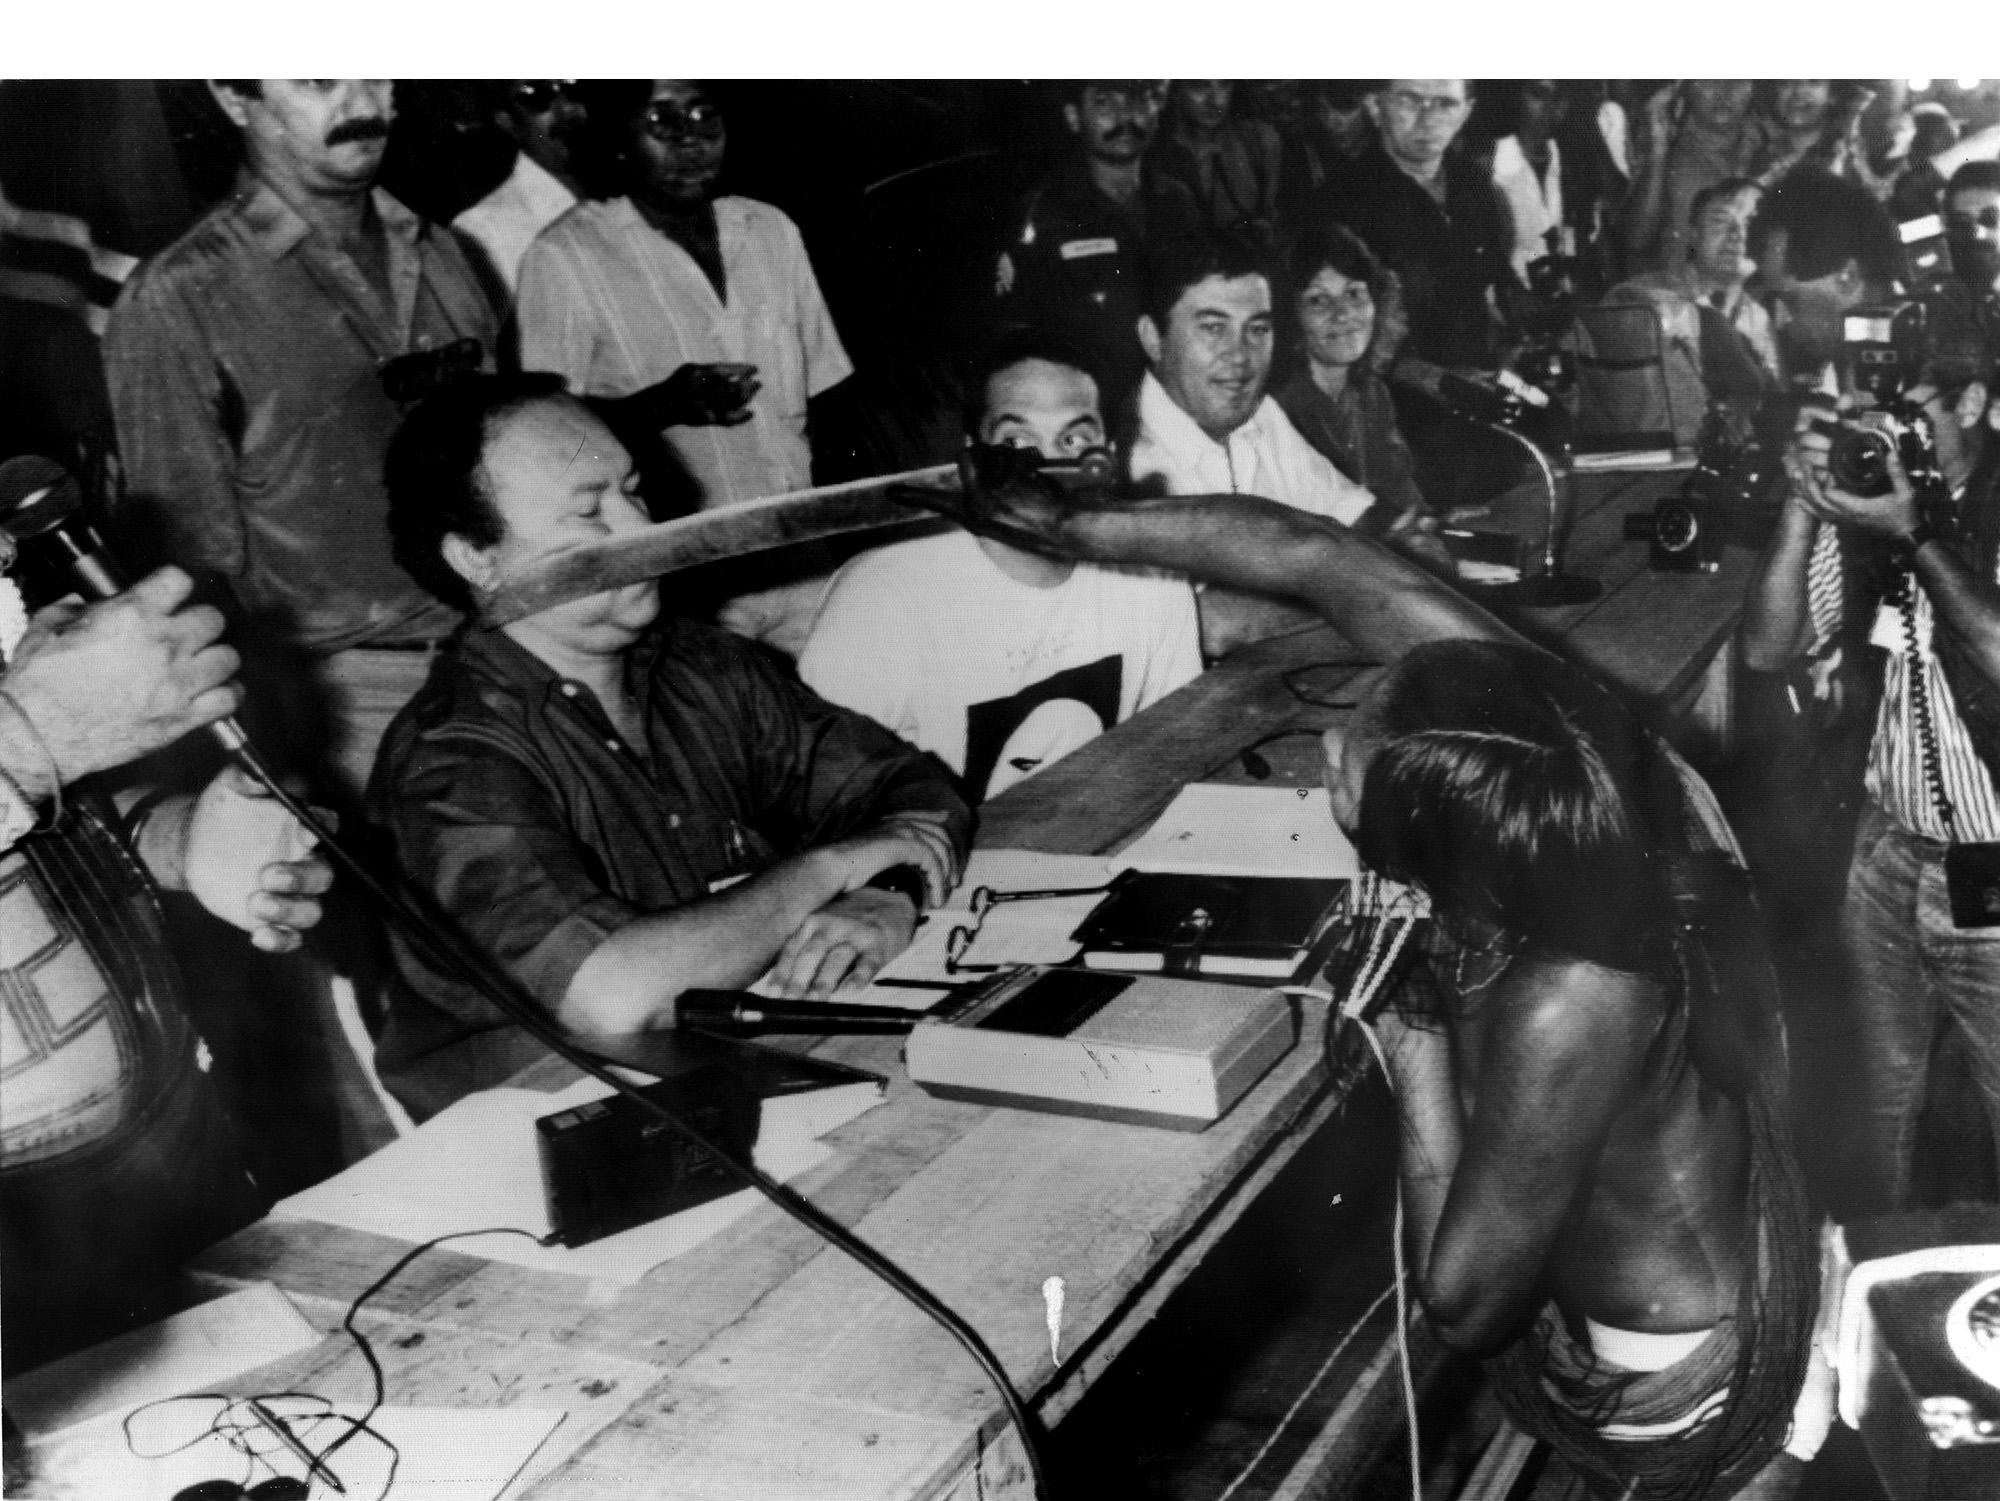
column 1720, row 502
column 1885, row 348
column 1926, row 252
column 1090, row 474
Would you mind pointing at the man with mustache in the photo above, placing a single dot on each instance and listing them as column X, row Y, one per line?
column 257, row 368
column 1072, row 259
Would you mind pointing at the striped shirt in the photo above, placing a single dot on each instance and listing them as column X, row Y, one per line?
column 1896, row 776
column 614, row 306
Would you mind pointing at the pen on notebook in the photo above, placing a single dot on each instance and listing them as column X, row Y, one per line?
column 276, row 1426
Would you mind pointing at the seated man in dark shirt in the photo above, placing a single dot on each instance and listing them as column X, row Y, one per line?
column 615, row 805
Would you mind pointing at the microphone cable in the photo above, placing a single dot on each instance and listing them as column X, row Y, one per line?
column 400, row 902
column 41, row 504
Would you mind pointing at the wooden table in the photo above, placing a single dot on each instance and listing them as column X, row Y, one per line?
column 764, row 1365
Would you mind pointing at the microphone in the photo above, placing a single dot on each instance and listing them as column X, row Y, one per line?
column 41, row 510
column 741, row 1011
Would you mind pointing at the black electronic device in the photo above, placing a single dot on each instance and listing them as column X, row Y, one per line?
column 1884, row 346
column 607, row 1165
column 1972, row 883
column 1219, row 927
column 1926, row 251
column 1917, row 1350
column 1498, row 549
column 994, row 466
column 1722, row 500
column 1683, row 535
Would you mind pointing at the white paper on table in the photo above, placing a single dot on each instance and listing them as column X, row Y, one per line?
column 193, row 1350
column 474, row 1166
column 1215, row 828
column 442, row 1454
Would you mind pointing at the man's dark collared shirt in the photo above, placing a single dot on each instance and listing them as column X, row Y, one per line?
column 1072, row 261
column 242, row 366
column 1448, row 255
column 516, row 805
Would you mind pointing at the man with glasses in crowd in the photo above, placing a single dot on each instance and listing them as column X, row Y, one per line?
column 1073, row 256
column 543, row 118
column 257, row 368
column 1432, row 216
column 698, row 313
column 1438, row 222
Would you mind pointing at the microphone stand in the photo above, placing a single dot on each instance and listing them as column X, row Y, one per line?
column 1549, row 587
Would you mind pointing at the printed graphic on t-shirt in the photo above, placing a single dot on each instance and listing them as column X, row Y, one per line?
column 1006, row 739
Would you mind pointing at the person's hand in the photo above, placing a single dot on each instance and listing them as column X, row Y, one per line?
column 1426, row 549
column 913, row 838
column 713, row 395
column 1890, row 515
column 1003, row 495
column 250, row 863
column 841, row 946
column 109, row 682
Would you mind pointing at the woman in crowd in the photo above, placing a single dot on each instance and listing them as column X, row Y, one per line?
column 1345, row 304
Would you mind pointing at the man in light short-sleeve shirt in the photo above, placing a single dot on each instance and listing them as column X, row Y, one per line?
column 617, row 295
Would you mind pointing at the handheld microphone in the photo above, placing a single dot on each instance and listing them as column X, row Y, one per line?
column 742, row 1011
column 41, row 509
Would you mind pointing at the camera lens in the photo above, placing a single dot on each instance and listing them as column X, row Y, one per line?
column 1675, row 526
column 1858, row 461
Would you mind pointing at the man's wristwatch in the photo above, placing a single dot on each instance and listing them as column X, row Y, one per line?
column 906, row 880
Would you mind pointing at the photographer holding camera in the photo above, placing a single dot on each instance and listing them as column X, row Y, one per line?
column 1916, row 483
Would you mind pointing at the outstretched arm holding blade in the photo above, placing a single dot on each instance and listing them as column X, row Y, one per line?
column 1381, row 603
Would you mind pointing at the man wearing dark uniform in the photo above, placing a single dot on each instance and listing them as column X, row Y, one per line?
column 1072, row 260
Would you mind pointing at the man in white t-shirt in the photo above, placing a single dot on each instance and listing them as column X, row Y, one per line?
column 998, row 660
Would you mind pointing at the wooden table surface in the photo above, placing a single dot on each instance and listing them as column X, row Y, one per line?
column 763, row 1364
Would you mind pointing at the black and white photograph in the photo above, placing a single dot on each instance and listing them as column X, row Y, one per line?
column 816, row 786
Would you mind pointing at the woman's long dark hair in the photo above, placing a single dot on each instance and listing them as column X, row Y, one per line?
column 1515, row 791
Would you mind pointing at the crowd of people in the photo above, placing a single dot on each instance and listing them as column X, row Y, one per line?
column 342, row 427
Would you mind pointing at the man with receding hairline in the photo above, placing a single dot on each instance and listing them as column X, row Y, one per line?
column 616, row 803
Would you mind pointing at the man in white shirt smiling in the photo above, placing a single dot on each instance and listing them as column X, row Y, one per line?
column 1206, row 425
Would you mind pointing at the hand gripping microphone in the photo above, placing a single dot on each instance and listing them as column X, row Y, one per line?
column 41, row 511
